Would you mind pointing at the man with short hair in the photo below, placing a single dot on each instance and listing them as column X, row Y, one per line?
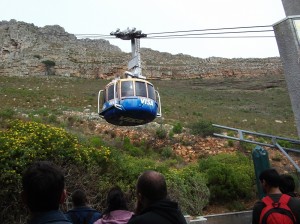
column 43, row 191
column 270, row 181
column 81, row 212
column 153, row 205
column 287, row 185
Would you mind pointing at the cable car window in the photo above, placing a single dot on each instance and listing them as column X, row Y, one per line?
column 127, row 88
column 110, row 92
column 151, row 92
column 140, row 89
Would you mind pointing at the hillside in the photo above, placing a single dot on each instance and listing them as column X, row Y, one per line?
column 24, row 47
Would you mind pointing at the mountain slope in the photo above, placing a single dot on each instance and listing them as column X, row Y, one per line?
column 24, row 48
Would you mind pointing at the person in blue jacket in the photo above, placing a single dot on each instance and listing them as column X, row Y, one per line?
column 81, row 213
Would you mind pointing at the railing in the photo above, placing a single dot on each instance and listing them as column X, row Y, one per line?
column 242, row 134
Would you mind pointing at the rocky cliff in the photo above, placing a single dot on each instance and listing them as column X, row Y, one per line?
column 26, row 49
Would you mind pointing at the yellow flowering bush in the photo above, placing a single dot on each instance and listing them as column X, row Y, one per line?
column 24, row 142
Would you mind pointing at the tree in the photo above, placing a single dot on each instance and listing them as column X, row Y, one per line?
column 49, row 67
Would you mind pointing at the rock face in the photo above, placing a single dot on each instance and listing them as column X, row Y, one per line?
column 26, row 49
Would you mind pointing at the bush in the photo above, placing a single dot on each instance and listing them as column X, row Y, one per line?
column 188, row 187
column 177, row 128
column 48, row 63
column 203, row 128
column 49, row 67
column 161, row 133
column 228, row 183
column 131, row 149
column 167, row 152
column 7, row 113
column 25, row 142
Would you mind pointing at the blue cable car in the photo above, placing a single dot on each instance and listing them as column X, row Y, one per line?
column 131, row 100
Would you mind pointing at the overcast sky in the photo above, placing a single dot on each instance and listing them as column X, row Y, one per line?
column 102, row 17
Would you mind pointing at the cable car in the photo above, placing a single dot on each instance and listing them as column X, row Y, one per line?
column 131, row 100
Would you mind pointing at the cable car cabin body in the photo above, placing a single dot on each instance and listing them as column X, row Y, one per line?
column 129, row 102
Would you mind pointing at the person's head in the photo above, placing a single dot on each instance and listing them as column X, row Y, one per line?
column 115, row 200
column 269, row 179
column 43, row 187
column 79, row 198
column 151, row 187
column 287, row 184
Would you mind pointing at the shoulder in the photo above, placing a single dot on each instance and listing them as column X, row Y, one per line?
column 294, row 203
column 143, row 218
column 56, row 217
column 258, row 205
column 257, row 209
column 146, row 218
column 82, row 209
column 99, row 221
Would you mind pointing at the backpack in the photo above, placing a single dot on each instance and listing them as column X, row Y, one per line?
column 277, row 212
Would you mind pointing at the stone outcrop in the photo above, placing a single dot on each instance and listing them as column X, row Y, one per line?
column 24, row 48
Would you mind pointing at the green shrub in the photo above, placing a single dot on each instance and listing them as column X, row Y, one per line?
column 203, row 128
column 7, row 113
column 49, row 67
column 48, row 63
column 131, row 149
column 226, row 182
column 288, row 144
column 96, row 142
column 230, row 142
column 52, row 119
column 277, row 157
column 246, row 146
column 161, row 133
column 167, row 152
column 177, row 128
column 188, row 187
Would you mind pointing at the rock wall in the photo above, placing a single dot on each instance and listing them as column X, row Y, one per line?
column 24, row 48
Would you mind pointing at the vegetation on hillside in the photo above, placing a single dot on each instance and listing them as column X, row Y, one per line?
column 258, row 104
column 96, row 168
column 31, row 129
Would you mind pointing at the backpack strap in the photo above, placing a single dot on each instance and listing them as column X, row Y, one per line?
column 268, row 202
column 281, row 206
column 284, row 199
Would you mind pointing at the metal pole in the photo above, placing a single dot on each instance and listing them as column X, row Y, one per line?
column 287, row 32
column 291, row 7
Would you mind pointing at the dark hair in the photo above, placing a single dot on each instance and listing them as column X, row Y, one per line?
column 43, row 184
column 271, row 176
column 115, row 200
column 287, row 184
column 152, row 185
column 79, row 198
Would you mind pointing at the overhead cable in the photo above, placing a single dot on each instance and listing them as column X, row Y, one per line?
column 211, row 29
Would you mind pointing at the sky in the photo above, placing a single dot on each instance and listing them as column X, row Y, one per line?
column 156, row 16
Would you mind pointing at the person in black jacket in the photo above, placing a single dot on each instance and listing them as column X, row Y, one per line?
column 153, row 205
column 43, row 191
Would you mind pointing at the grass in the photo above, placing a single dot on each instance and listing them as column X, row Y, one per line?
column 253, row 103
column 250, row 103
